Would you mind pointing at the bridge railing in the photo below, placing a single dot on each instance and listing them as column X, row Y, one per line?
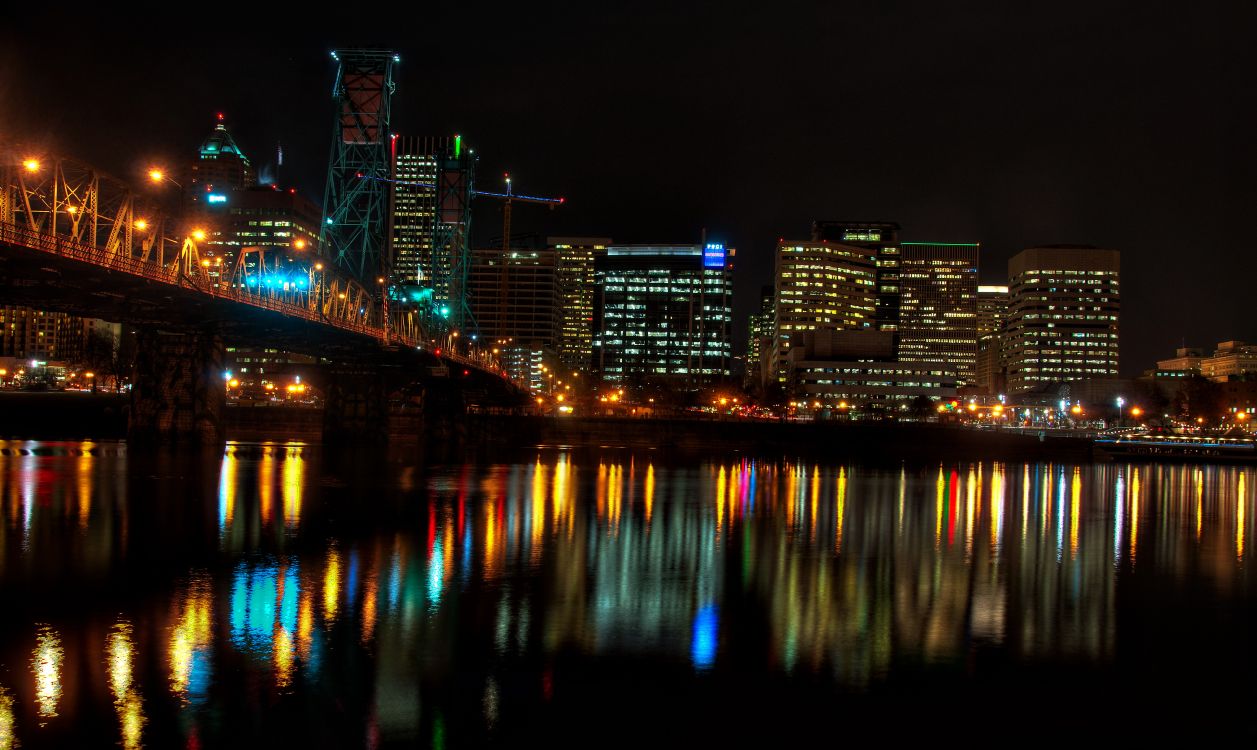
column 61, row 246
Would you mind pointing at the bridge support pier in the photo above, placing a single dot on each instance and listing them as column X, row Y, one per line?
column 355, row 407
column 178, row 391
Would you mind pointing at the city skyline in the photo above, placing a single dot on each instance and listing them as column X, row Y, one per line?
column 1061, row 143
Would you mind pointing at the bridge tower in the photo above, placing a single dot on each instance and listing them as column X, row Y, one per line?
column 355, row 203
column 455, row 177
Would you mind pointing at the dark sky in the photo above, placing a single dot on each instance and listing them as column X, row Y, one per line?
column 1123, row 125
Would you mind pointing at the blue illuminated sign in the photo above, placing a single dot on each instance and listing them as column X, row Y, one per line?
column 216, row 198
column 714, row 255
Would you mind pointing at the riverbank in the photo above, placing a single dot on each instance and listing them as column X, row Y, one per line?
column 100, row 416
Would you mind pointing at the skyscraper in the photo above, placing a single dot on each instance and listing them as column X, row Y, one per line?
column 938, row 309
column 431, row 220
column 992, row 311
column 575, row 258
column 1063, row 315
column 883, row 238
column 516, row 301
column 822, row 286
column 663, row 313
column 759, row 340
column 220, row 166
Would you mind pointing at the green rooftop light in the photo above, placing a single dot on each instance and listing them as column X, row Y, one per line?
column 458, row 145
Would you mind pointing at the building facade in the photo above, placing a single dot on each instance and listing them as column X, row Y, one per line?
column 992, row 310
column 516, row 296
column 664, row 314
column 855, row 373
column 822, row 286
column 1064, row 306
column 430, row 222
column 219, row 167
column 760, row 331
column 883, row 238
column 574, row 269
column 938, row 308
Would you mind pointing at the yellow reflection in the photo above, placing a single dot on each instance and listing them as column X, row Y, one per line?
column 998, row 488
column 1074, row 506
column 1200, row 497
column 120, row 650
column 940, row 488
column 1240, row 507
column 331, row 585
column 292, row 487
column 283, row 656
column 305, row 623
column 47, row 667
column 266, row 484
column 562, row 472
column 370, row 592
column 490, row 540
column 1134, row 513
column 971, row 504
column 650, row 490
column 720, row 499
column 227, row 491
column 842, row 508
column 85, row 484
column 190, row 632
column 8, row 735
column 538, row 508
column 816, row 496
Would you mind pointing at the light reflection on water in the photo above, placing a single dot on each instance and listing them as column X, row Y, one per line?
column 853, row 572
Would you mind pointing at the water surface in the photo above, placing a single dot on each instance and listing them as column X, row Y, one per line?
column 269, row 596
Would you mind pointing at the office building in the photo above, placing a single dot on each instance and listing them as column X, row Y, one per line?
column 989, row 367
column 881, row 237
column 854, row 373
column 282, row 222
column 516, row 296
column 663, row 314
column 822, row 286
column 30, row 334
column 219, row 167
column 431, row 221
column 574, row 269
column 1232, row 360
column 761, row 330
column 938, row 307
column 1064, row 305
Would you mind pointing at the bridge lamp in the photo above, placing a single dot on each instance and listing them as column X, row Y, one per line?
column 318, row 266
column 198, row 235
column 299, row 244
column 31, row 165
column 156, row 175
column 141, row 224
column 72, row 209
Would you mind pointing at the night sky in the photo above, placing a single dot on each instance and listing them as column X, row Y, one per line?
column 1131, row 126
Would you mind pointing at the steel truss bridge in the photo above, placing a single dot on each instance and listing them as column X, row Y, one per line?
column 73, row 239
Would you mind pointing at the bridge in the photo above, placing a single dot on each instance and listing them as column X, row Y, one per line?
column 75, row 240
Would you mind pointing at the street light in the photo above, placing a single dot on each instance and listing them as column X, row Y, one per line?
column 1120, row 403
column 30, row 165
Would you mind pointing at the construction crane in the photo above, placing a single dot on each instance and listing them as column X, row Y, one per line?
column 508, row 198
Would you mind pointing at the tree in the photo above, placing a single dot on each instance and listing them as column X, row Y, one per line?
column 922, row 407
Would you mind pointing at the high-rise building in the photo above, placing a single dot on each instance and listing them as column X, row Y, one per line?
column 664, row 313
column 938, row 308
column 220, row 167
column 281, row 221
column 575, row 258
column 431, row 222
column 882, row 237
column 992, row 310
column 1063, row 315
column 516, row 296
column 822, row 286
column 759, row 339
column 27, row 333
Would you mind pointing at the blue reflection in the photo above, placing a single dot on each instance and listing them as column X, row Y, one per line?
column 288, row 601
column 436, row 574
column 199, row 676
column 706, row 629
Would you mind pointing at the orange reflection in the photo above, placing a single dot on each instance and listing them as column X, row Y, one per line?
column 46, row 665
